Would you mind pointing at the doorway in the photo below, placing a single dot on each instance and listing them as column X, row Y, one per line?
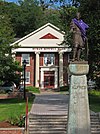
column 49, row 79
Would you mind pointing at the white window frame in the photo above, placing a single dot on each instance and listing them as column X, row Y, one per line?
column 27, row 60
column 26, row 72
column 27, row 77
column 45, row 58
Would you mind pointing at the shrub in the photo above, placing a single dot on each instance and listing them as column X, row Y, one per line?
column 94, row 93
column 33, row 89
column 64, row 88
column 19, row 121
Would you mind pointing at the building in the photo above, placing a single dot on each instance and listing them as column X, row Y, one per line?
column 47, row 60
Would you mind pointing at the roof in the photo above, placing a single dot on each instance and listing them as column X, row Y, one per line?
column 36, row 31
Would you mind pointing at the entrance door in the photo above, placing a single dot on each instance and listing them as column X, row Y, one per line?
column 49, row 79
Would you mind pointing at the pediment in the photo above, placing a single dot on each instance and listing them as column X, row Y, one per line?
column 46, row 36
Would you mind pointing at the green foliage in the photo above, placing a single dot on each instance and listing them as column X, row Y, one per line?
column 25, row 17
column 94, row 93
column 94, row 100
column 90, row 11
column 33, row 89
column 19, row 121
column 13, row 110
column 66, row 15
column 8, row 66
column 50, row 16
column 64, row 88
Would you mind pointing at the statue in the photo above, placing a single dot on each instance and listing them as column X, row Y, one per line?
column 78, row 28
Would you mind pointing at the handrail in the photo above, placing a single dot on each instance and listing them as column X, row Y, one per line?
column 26, row 114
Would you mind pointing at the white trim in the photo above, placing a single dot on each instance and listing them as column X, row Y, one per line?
column 61, row 68
column 22, row 73
column 28, row 77
column 49, row 69
column 52, row 64
column 43, row 49
column 37, row 69
column 28, row 58
column 48, row 24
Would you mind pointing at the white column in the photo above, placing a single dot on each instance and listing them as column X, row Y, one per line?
column 60, row 69
column 37, row 70
column 42, row 78
column 56, row 77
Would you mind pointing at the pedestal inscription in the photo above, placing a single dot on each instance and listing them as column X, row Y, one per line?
column 78, row 116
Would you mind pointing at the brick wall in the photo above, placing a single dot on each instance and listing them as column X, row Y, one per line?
column 11, row 131
column 56, row 59
column 41, row 59
column 30, row 68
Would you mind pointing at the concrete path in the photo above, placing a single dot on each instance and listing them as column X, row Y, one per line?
column 50, row 104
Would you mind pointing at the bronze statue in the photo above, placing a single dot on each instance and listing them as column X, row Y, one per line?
column 78, row 28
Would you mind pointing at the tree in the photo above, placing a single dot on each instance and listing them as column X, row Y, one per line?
column 26, row 18
column 90, row 11
column 8, row 66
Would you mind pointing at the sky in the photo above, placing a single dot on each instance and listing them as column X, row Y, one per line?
column 11, row 0
column 67, row 1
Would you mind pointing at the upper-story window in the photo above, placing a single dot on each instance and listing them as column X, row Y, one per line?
column 49, row 59
column 27, row 58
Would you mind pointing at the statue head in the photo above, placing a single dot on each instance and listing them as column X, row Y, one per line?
column 78, row 15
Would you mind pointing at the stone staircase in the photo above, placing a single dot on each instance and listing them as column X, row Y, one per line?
column 47, row 124
column 56, row 124
column 95, row 124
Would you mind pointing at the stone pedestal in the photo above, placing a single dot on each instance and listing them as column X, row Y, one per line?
column 78, row 115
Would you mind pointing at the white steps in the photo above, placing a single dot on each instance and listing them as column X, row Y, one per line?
column 95, row 124
column 47, row 124
column 56, row 124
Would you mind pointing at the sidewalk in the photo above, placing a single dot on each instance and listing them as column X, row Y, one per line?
column 50, row 104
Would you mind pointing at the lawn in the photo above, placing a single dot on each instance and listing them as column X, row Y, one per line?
column 94, row 100
column 13, row 110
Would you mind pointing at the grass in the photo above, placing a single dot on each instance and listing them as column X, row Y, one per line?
column 13, row 110
column 33, row 89
column 94, row 100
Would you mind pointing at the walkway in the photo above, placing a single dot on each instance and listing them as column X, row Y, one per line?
column 50, row 104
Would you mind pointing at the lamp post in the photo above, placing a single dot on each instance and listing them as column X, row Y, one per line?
column 24, row 65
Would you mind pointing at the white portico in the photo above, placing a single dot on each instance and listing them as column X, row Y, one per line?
column 45, row 56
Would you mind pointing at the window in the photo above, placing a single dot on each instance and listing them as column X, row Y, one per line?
column 49, row 59
column 27, row 77
column 27, row 58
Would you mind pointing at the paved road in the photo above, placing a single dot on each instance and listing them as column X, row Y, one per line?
column 50, row 104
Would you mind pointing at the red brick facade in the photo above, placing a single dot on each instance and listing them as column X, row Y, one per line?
column 46, row 55
column 32, row 68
